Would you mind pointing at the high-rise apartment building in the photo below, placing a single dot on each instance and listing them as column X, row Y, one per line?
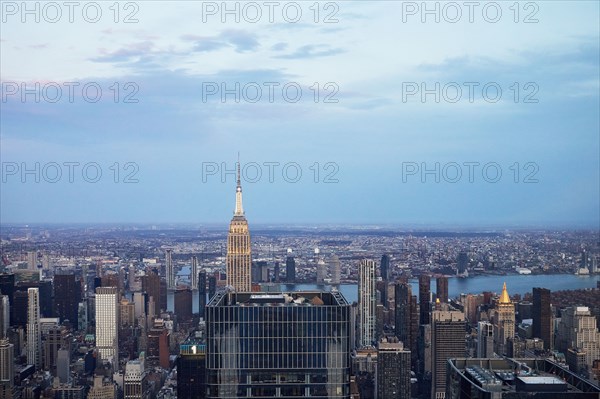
column 367, row 302
column 424, row 298
column 32, row 260
column 485, row 339
column 441, row 291
column 290, row 269
column 202, row 293
column 151, row 285
column 393, row 371
column 107, row 324
column 406, row 318
column 335, row 270
column 4, row 315
column 170, row 270
column 182, row 303
column 7, row 370
column 67, row 295
column 447, row 341
column 385, row 267
column 239, row 255
column 542, row 316
column 34, row 333
column 578, row 331
column 194, row 274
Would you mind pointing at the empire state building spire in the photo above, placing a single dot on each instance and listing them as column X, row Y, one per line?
column 239, row 253
column 239, row 209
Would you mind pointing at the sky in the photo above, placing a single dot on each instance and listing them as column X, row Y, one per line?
column 349, row 112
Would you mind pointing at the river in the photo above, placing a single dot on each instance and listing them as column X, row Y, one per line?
column 515, row 283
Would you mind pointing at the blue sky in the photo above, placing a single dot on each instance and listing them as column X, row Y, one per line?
column 370, row 57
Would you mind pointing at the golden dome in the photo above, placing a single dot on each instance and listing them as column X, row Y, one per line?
column 504, row 297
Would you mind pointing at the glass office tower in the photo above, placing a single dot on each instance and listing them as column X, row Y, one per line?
column 270, row 345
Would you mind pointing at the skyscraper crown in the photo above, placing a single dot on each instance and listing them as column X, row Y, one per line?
column 504, row 297
column 239, row 209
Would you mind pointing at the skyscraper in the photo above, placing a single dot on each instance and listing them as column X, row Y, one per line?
column 485, row 339
column 447, row 341
column 107, row 324
column 34, row 334
column 321, row 267
column 542, row 316
column 504, row 322
column 7, row 285
column 135, row 380
column 578, row 331
column 151, row 286
column 191, row 370
column 32, row 260
column 182, row 303
column 202, row 293
column 385, row 267
column 393, row 371
column 290, row 269
column 4, row 315
column 424, row 298
column 335, row 270
column 67, row 295
column 441, row 291
column 462, row 262
column 406, row 318
column 367, row 301
column 194, row 274
column 239, row 258
column 273, row 345
column 170, row 272
column 63, row 363
column 7, row 370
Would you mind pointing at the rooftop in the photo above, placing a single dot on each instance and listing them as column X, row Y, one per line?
column 292, row 299
column 520, row 375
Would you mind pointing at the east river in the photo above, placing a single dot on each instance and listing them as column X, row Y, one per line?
column 516, row 284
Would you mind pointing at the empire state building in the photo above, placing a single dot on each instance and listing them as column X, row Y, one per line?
column 238, row 246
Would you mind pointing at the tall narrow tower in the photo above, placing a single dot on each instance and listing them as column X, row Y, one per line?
column 504, row 321
column 107, row 321
column 34, row 334
column 367, row 301
column 238, row 245
column 194, row 274
column 542, row 316
column 170, row 272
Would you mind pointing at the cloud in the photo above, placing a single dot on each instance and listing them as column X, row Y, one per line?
column 312, row 51
column 242, row 41
column 125, row 54
column 279, row 46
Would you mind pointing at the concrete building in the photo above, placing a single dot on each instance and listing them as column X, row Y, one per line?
column 367, row 301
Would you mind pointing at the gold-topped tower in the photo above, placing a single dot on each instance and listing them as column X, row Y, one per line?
column 238, row 245
column 504, row 322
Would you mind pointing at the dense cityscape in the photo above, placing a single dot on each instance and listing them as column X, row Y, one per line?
column 111, row 311
column 336, row 199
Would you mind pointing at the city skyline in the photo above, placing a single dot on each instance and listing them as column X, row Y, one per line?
column 422, row 186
